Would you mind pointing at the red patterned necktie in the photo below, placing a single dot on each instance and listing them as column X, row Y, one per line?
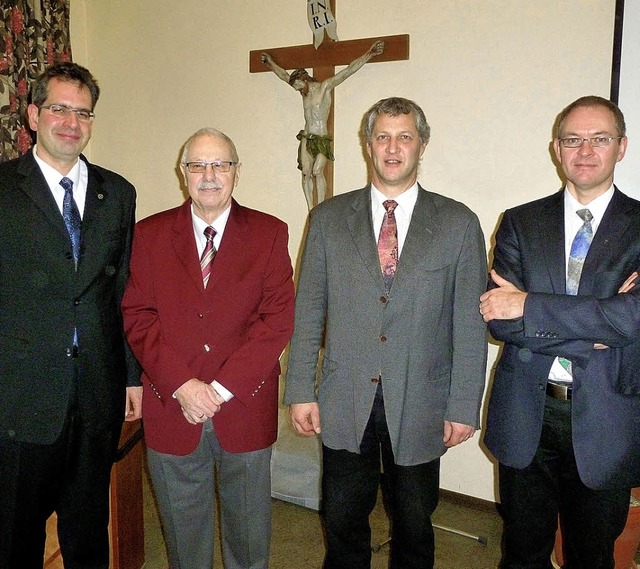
column 388, row 243
column 208, row 255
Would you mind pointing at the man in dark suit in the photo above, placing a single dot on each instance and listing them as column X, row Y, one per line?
column 389, row 273
column 64, row 259
column 209, row 335
column 566, row 436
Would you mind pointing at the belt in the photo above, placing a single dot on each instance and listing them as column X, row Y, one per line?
column 557, row 391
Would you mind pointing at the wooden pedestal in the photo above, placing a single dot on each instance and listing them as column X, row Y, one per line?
column 127, row 519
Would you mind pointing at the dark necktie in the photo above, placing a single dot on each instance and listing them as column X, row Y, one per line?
column 388, row 243
column 579, row 250
column 208, row 255
column 72, row 219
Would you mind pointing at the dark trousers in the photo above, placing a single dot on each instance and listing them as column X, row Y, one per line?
column 350, row 484
column 69, row 477
column 533, row 497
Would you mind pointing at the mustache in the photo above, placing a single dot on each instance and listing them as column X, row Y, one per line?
column 214, row 185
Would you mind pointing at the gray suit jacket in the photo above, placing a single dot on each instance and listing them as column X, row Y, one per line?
column 426, row 338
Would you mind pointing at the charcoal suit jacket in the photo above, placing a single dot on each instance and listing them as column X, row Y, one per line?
column 530, row 253
column 43, row 299
column 425, row 337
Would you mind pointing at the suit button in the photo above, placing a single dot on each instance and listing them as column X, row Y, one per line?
column 76, row 302
column 383, row 299
column 200, row 315
column 383, row 339
column 375, row 379
column 207, row 348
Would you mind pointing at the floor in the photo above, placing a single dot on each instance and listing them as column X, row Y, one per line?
column 298, row 541
column 466, row 537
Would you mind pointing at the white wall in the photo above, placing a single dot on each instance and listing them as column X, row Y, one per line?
column 490, row 75
column 628, row 172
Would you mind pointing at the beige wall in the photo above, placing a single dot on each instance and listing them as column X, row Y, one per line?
column 490, row 75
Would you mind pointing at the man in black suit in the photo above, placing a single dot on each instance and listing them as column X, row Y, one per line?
column 565, row 433
column 65, row 236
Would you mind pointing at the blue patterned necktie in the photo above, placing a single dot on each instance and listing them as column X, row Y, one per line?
column 577, row 255
column 72, row 219
column 579, row 250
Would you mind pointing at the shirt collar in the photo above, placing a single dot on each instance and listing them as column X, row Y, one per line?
column 406, row 200
column 52, row 175
column 199, row 224
column 597, row 207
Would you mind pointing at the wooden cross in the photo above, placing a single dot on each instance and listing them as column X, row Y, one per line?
column 323, row 61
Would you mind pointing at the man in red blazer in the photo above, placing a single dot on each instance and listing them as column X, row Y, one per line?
column 208, row 314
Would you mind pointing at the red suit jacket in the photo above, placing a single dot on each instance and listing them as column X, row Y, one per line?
column 234, row 331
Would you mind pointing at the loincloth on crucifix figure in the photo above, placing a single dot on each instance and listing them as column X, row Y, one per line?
column 314, row 144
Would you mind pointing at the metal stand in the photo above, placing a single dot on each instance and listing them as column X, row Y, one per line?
column 481, row 539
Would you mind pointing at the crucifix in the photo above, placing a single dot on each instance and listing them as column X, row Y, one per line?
column 315, row 155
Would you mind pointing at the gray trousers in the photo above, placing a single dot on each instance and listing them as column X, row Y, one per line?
column 185, row 491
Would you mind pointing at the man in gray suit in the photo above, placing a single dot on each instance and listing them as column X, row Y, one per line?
column 405, row 348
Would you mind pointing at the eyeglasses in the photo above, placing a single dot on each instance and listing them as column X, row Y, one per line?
column 218, row 166
column 62, row 111
column 594, row 142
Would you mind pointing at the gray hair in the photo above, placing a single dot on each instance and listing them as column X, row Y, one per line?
column 213, row 133
column 394, row 106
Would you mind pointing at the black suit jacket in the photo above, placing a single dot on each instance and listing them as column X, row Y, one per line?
column 530, row 252
column 42, row 300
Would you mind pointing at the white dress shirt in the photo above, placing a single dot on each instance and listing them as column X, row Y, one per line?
column 78, row 175
column 406, row 202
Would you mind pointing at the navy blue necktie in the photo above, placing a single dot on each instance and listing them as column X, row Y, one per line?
column 72, row 219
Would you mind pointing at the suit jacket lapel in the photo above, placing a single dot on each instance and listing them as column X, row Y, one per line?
column 550, row 233
column 34, row 185
column 230, row 247
column 361, row 228
column 96, row 197
column 614, row 223
column 184, row 245
column 423, row 227
column 92, row 228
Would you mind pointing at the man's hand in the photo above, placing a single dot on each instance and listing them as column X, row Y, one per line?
column 629, row 283
column 198, row 400
column 266, row 59
column 625, row 287
column 305, row 418
column 503, row 303
column 133, row 405
column 456, row 433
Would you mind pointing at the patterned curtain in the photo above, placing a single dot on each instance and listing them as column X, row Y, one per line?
column 33, row 35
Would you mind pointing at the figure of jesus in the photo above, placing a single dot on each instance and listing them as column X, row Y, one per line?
column 315, row 142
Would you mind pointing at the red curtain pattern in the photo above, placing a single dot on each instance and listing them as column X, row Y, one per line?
column 33, row 35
